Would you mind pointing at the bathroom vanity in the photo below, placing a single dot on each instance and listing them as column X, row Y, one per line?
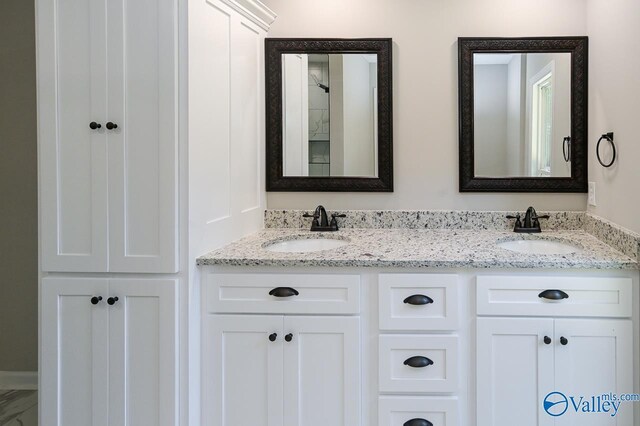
column 414, row 327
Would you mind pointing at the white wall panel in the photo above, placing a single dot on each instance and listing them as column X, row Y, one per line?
column 226, row 125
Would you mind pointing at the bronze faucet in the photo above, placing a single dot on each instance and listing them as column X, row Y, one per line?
column 321, row 222
column 531, row 222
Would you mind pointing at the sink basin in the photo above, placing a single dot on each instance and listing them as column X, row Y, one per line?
column 538, row 247
column 306, row 245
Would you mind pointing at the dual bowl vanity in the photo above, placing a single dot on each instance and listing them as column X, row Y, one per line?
column 398, row 326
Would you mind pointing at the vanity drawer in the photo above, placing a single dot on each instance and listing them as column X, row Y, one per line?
column 587, row 296
column 250, row 293
column 434, row 359
column 418, row 302
column 398, row 411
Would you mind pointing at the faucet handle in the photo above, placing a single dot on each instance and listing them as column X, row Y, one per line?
column 338, row 215
column 517, row 217
column 542, row 216
column 315, row 216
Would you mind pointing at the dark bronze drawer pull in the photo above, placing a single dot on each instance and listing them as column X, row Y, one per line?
column 418, row 299
column 418, row 362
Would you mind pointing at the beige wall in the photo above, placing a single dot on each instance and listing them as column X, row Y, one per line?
column 18, row 188
column 425, row 34
column 614, row 105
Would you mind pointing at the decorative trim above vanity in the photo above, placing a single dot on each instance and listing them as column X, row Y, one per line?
column 256, row 11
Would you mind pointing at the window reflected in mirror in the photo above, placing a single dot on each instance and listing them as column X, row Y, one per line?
column 330, row 116
column 522, row 114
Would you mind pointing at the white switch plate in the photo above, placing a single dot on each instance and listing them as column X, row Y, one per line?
column 592, row 193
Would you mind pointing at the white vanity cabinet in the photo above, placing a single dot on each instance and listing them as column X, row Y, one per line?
column 410, row 347
column 110, row 352
column 108, row 135
column 521, row 359
column 298, row 365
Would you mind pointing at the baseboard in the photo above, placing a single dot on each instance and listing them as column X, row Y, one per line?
column 18, row 380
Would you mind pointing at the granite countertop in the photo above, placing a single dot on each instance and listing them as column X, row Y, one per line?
column 420, row 248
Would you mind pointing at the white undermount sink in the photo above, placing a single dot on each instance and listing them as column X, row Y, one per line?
column 538, row 247
column 306, row 245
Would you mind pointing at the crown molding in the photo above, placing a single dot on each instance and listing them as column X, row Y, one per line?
column 254, row 10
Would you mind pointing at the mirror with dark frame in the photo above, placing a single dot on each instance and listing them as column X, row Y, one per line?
column 329, row 115
column 523, row 114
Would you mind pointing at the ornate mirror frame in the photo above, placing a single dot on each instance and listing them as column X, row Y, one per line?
column 579, row 48
column 275, row 179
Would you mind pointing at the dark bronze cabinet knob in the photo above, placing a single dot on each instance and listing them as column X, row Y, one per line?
column 564, row 341
column 288, row 337
column 112, row 300
column 547, row 340
column 95, row 300
column 93, row 125
column 273, row 337
column 111, row 125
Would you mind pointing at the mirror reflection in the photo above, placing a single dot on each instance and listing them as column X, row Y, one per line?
column 522, row 114
column 330, row 114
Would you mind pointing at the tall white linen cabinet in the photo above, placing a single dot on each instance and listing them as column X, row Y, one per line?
column 151, row 153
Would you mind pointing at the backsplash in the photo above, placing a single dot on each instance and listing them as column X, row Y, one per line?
column 623, row 240
column 422, row 219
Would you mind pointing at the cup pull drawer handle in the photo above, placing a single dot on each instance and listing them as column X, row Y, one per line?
column 283, row 292
column 418, row 299
column 553, row 295
column 418, row 362
column 418, row 422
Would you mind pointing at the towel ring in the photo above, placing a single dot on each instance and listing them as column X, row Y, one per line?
column 609, row 137
column 566, row 149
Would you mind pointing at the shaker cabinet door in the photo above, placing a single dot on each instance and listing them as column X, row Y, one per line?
column 594, row 358
column 143, row 352
column 322, row 371
column 72, row 155
column 74, row 365
column 514, row 371
column 242, row 370
column 142, row 103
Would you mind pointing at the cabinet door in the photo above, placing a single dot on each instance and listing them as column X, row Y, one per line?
column 142, row 81
column 596, row 360
column 74, row 364
column 514, row 371
column 72, row 157
column 242, row 370
column 322, row 371
column 143, row 352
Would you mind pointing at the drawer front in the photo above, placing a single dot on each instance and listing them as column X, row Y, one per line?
column 418, row 364
column 418, row 302
column 310, row 293
column 399, row 411
column 521, row 295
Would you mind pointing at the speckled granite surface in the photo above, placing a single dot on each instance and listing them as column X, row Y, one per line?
column 418, row 248
column 622, row 239
column 421, row 219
